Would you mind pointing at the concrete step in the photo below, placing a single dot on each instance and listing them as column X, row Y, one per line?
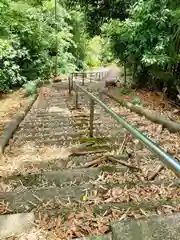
column 53, row 178
column 32, row 130
column 55, row 124
column 51, row 135
column 152, row 228
column 116, row 196
column 15, row 224
column 103, row 237
column 64, row 141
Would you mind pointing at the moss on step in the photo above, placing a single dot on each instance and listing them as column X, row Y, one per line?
column 94, row 139
column 98, row 147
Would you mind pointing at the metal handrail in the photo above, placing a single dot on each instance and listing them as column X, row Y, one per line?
column 84, row 75
column 166, row 158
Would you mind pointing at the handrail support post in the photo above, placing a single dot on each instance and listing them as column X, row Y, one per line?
column 83, row 77
column 91, row 120
column 76, row 97
column 69, row 85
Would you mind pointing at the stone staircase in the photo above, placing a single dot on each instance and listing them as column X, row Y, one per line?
column 48, row 173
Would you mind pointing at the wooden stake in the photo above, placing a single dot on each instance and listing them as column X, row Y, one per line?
column 122, row 163
column 72, row 78
column 76, row 98
column 95, row 161
column 91, row 117
column 69, row 82
column 155, row 173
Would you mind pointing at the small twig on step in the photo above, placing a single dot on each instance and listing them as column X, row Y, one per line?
column 34, row 204
column 155, row 173
column 96, row 161
column 123, row 163
column 123, row 145
column 117, row 156
column 39, row 199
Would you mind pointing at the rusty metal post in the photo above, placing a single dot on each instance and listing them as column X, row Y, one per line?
column 72, row 78
column 69, row 85
column 91, row 117
column 83, row 76
column 76, row 97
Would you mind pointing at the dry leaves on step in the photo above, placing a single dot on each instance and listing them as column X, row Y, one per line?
column 139, row 193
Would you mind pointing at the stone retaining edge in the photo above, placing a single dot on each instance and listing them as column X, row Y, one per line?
column 12, row 126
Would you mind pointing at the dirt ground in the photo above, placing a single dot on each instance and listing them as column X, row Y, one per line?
column 151, row 100
column 9, row 105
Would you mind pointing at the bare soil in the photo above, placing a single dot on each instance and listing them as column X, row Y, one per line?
column 9, row 105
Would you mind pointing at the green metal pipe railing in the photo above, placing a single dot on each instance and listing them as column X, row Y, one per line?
column 166, row 158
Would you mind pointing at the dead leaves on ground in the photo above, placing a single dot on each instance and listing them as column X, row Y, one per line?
column 87, row 223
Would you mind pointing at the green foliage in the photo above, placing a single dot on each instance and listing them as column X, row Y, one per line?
column 149, row 42
column 94, row 48
column 125, row 91
column 30, row 36
column 10, row 72
column 30, row 88
column 137, row 101
column 99, row 11
column 80, row 38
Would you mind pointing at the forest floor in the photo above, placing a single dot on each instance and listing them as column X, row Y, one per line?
column 153, row 100
column 159, row 104
column 9, row 105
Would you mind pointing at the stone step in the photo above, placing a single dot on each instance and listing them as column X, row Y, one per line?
column 49, row 139
column 43, row 131
column 29, row 199
column 75, row 176
column 53, row 178
column 57, row 124
column 15, row 224
column 46, row 129
column 58, row 177
column 65, row 141
column 99, row 210
column 50, row 135
column 59, row 117
column 49, row 124
column 47, row 113
column 149, row 206
column 103, row 237
column 152, row 228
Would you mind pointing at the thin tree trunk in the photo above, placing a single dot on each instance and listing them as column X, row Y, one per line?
column 125, row 74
